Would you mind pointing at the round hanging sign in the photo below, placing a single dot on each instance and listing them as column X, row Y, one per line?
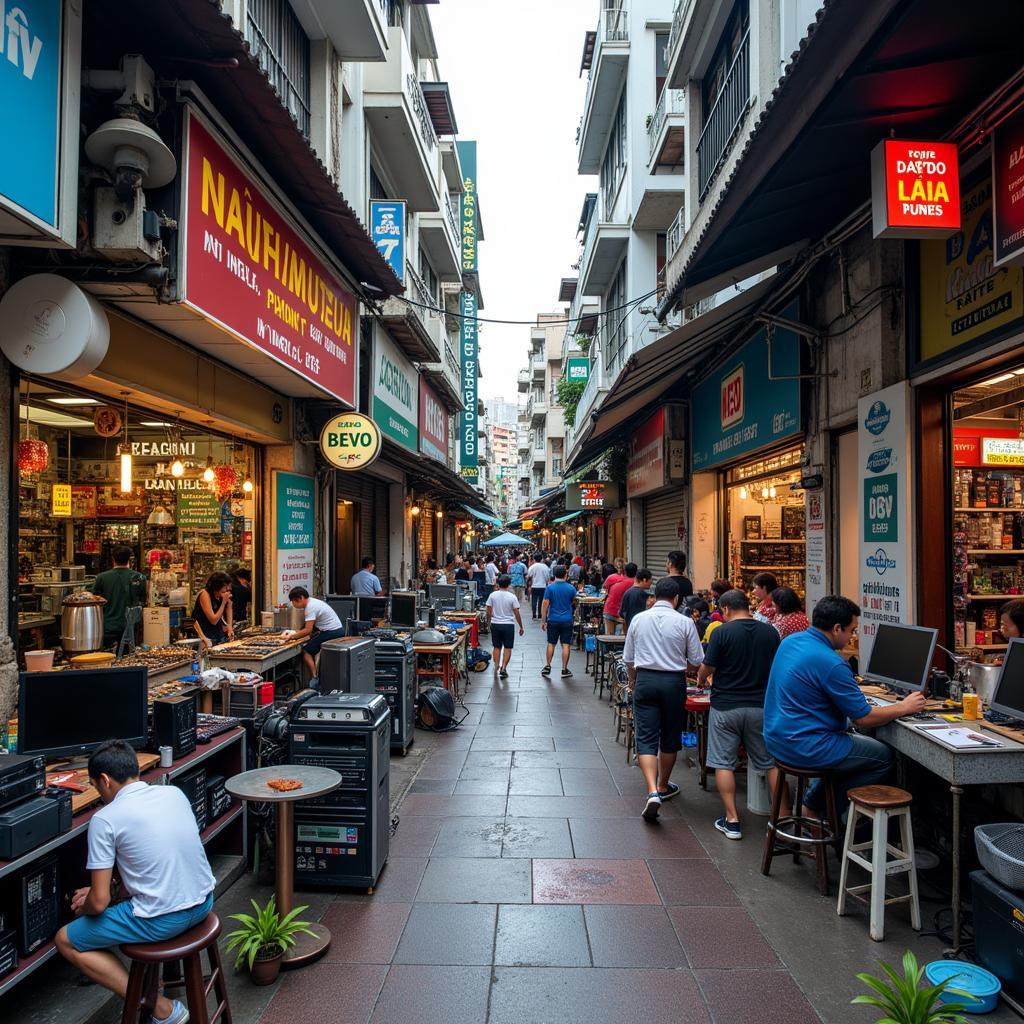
column 350, row 441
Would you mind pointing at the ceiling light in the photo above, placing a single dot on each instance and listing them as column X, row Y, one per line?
column 53, row 418
column 73, row 401
column 155, row 423
column 743, row 494
column 996, row 380
column 247, row 485
column 208, row 473
column 177, row 468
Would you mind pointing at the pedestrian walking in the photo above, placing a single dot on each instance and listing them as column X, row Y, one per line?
column 637, row 598
column 503, row 617
column 539, row 576
column 737, row 664
column 556, row 618
column 517, row 573
column 616, row 591
column 675, row 566
column 660, row 644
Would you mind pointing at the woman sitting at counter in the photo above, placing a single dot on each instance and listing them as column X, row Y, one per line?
column 212, row 613
column 1011, row 619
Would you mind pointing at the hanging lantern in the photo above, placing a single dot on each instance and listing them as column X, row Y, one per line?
column 33, row 455
column 225, row 478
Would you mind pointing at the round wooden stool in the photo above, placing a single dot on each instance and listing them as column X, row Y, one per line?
column 880, row 804
column 799, row 834
column 148, row 959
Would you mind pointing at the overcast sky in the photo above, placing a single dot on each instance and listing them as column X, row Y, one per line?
column 513, row 71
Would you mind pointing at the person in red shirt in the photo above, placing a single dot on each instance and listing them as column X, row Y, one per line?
column 789, row 612
column 611, row 618
column 616, row 592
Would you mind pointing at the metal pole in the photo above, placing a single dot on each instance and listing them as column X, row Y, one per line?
column 285, row 857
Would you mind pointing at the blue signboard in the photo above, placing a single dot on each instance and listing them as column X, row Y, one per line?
column 739, row 410
column 30, row 74
column 387, row 228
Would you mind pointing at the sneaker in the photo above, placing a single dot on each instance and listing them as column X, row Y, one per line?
column 179, row 1015
column 730, row 829
column 652, row 808
column 565, row 673
column 546, row 670
column 673, row 790
column 503, row 674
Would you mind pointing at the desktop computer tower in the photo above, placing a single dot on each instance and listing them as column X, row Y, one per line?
column 347, row 665
column 395, row 680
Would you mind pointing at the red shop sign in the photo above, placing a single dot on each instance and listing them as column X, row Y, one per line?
column 645, row 470
column 915, row 189
column 433, row 424
column 1008, row 190
column 248, row 270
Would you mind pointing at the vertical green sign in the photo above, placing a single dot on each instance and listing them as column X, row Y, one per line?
column 881, row 509
column 470, row 217
column 295, row 503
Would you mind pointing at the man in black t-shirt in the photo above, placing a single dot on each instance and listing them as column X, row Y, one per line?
column 675, row 566
column 635, row 599
column 738, row 660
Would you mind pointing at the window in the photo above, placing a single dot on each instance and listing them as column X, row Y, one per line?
column 428, row 275
column 614, row 162
column 394, row 11
column 282, row 49
column 660, row 64
column 660, row 259
column 556, row 465
column 725, row 53
column 614, row 327
column 377, row 188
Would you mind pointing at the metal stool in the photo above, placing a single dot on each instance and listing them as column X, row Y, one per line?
column 798, row 832
column 880, row 804
column 144, row 977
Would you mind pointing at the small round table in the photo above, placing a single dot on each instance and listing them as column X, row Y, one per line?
column 252, row 786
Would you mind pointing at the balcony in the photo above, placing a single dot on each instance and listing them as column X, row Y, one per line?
column 400, row 122
column 537, row 410
column 523, row 381
column 689, row 19
column 416, row 329
column 446, row 379
column 666, row 134
column 539, row 456
column 538, row 367
column 603, row 249
column 439, row 234
column 607, row 74
column 725, row 118
column 356, row 28
column 676, row 234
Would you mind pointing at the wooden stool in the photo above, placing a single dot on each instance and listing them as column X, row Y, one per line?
column 799, row 832
column 880, row 804
column 698, row 709
column 144, row 977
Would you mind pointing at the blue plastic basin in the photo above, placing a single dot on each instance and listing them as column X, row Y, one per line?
column 981, row 984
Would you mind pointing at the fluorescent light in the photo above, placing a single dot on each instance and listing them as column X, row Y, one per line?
column 1018, row 373
column 53, row 418
column 996, row 380
column 73, row 401
column 155, row 423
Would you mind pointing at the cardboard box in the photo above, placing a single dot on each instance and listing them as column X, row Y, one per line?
column 156, row 626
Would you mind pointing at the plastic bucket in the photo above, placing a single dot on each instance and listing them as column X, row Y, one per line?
column 759, row 796
column 39, row 661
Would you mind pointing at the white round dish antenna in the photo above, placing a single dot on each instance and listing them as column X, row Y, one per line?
column 53, row 328
column 124, row 144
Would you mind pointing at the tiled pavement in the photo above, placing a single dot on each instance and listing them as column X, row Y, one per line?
column 523, row 887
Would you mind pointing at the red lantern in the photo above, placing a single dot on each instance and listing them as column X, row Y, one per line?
column 225, row 478
column 33, row 455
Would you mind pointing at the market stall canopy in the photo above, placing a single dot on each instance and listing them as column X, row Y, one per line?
column 504, row 540
column 566, row 518
column 483, row 516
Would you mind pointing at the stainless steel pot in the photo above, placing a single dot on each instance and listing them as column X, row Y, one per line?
column 983, row 679
column 289, row 617
column 81, row 623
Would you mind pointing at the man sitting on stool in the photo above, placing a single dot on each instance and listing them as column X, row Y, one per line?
column 150, row 833
column 319, row 615
column 812, row 698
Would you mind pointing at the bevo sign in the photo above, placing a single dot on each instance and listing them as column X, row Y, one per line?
column 915, row 189
column 350, row 441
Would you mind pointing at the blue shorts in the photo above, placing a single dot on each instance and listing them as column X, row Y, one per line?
column 312, row 648
column 559, row 632
column 118, row 925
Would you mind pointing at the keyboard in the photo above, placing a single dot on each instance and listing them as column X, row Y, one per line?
column 208, row 726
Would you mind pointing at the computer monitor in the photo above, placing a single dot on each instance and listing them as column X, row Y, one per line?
column 901, row 656
column 443, row 595
column 1008, row 698
column 469, row 585
column 344, row 606
column 70, row 713
column 403, row 609
column 356, row 627
column 371, row 607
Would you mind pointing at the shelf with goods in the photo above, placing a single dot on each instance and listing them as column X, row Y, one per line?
column 783, row 558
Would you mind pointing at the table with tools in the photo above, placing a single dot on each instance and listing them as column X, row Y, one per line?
column 442, row 663
column 261, row 652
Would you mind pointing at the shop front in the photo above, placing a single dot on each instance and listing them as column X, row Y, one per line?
column 747, row 512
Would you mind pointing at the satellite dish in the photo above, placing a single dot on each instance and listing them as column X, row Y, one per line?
column 53, row 328
column 124, row 144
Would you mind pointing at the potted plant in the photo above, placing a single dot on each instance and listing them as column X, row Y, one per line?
column 263, row 939
column 904, row 1001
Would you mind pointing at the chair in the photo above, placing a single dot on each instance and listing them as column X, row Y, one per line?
column 147, row 959
column 622, row 707
column 698, row 708
column 800, row 834
column 880, row 804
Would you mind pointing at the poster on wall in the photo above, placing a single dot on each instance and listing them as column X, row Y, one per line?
column 1008, row 189
column 294, row 504
column 886, row 542
column 814, row 586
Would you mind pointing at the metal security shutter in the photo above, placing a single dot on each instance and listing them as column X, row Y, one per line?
column 374, row 538
column 661, row 528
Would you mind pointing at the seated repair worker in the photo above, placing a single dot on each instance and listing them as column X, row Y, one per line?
column 812, row 699
column 150, row 835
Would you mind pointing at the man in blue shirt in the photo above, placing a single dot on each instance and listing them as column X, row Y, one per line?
column 364, row 581
column 812, row 698
column 517, row 571
column 556, row 618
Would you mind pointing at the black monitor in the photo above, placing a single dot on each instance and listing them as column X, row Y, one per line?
column 371, row 607
column 1008, row 698
column 403, row 609
column 71, row 713
column 354, row 627
column 901, row 656
column 443, row 595
column 344, row 606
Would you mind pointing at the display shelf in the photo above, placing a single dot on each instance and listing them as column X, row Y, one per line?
column 993, row 597
column 762, row 567
column 214, row 829
column 27, row 965
column 990, row 509
column 982, row 647
column 775, row 540
column 995, row 551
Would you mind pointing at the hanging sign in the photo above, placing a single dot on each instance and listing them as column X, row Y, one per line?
column 468, row 342
column 198, row 510
column 469, row 218
column 592, row 495
column 294, row 507
column 915, row 189
column 645, row 471
column 433, row 424
column 1002, row 451
column 1008, row 190
column 350, row 441
column 396, row 394
column 577, row 368
column 60, row 500
column 387, row 229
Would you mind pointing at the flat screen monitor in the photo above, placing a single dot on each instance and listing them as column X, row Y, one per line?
column 443, row 595
column 70, row 713
column 345, row 607
column 901, row 656
column 469, row 585
column 403, row 609
column 1008, row 698
column 371, row 608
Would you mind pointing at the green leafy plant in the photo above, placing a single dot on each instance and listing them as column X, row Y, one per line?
column 569, row 393
column 904, row 1001
column 264, row 931
column 583, row 342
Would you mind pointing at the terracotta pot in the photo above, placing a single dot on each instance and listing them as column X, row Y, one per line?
column 267, row 965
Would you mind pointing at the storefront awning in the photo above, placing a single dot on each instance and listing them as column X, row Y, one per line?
column 566, row 518
column 483, row 516
column 649, row 373
column 911, row 68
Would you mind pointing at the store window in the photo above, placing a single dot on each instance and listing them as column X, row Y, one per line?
column 73, row 513
column 764, row 527
column 988, row 510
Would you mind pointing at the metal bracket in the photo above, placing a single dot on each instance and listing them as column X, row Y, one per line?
column 800, row 330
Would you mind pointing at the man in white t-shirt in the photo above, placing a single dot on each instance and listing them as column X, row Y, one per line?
column 318, row 615
column 539, row 576
column 150, row 834
column 503, row 616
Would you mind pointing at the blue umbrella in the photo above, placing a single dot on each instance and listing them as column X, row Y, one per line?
column 505, row 540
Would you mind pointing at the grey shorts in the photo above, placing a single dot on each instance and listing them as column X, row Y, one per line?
column 728, row 729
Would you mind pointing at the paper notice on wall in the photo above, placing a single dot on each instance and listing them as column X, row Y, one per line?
column 816, row 548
